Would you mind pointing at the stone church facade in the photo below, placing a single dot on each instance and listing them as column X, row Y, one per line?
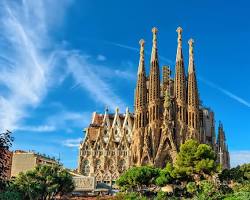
column 166, row 114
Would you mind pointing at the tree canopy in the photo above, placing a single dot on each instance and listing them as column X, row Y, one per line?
column 195, row 159
column 137, row 177
column 44, row 182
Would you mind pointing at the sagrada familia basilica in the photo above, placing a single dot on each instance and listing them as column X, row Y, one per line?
column 166, row 114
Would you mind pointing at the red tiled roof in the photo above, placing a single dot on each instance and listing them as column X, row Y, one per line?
column 98, row 118
column 93, row 133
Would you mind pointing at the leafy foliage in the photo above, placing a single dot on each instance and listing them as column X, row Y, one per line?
column 191, row 187
column 11, row 195
column 137, row 177
column 164, row 175
column 237, row 174
column 195, row 158
column 44, row 182
column 6, row 140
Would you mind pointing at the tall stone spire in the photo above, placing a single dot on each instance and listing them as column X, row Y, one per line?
column 180, row 90
column 141, row 91
column 154, row 102
column 154, row 78
column 222, row 148
column 221, row 136
column 180, row 79
column 193, row 97
column 140, row 109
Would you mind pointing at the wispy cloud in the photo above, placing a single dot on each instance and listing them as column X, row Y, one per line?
column 72, row 142
column 24, row 69
column 40, row 128
column 82, row 71
column 32, row 62
column 101, row 57
column 63, row 118
column 239, row 157
column 169, row 61
column 225, row 92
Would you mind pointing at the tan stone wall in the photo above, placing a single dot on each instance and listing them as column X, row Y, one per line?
column 22, row 162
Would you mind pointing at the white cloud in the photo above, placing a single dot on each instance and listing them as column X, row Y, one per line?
column 226, row 92
column 72, row 142
column 24, row 72
column 239, row 157
column 169, row 61
column 64, row 118
column 82, row 71
column 31, row 62
column 40, row 128
column 101, row 57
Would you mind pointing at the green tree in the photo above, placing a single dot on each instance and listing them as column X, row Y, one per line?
column 195, row 159
column 245, row 169
column 44, row 182
column 237, row 174
column 137, row 177
column 165, row 176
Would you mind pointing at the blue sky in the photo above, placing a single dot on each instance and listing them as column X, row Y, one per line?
column 59, row 62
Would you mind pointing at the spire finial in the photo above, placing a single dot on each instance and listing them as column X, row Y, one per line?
column 191, row 56
column 117, row 109
column 179, row 41
column 127, row 110
column 106, row 109
column 179, row 31
column 154, row 31
column 154, row 55
column 142, row 43
column 190, row 42
column 141, row 61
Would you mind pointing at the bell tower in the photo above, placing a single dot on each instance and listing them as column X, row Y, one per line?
column 193, row 97
column 140, row 109
column 180, row 91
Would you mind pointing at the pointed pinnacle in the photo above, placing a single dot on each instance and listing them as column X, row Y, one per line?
column 117, row 109
column 141, row 61
column 154, row 31
column 191, row 42
column 179, row 31
column 154, row 47
column 127, row 110
column 179, row 46
column 191, row 56
column 141, row 42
